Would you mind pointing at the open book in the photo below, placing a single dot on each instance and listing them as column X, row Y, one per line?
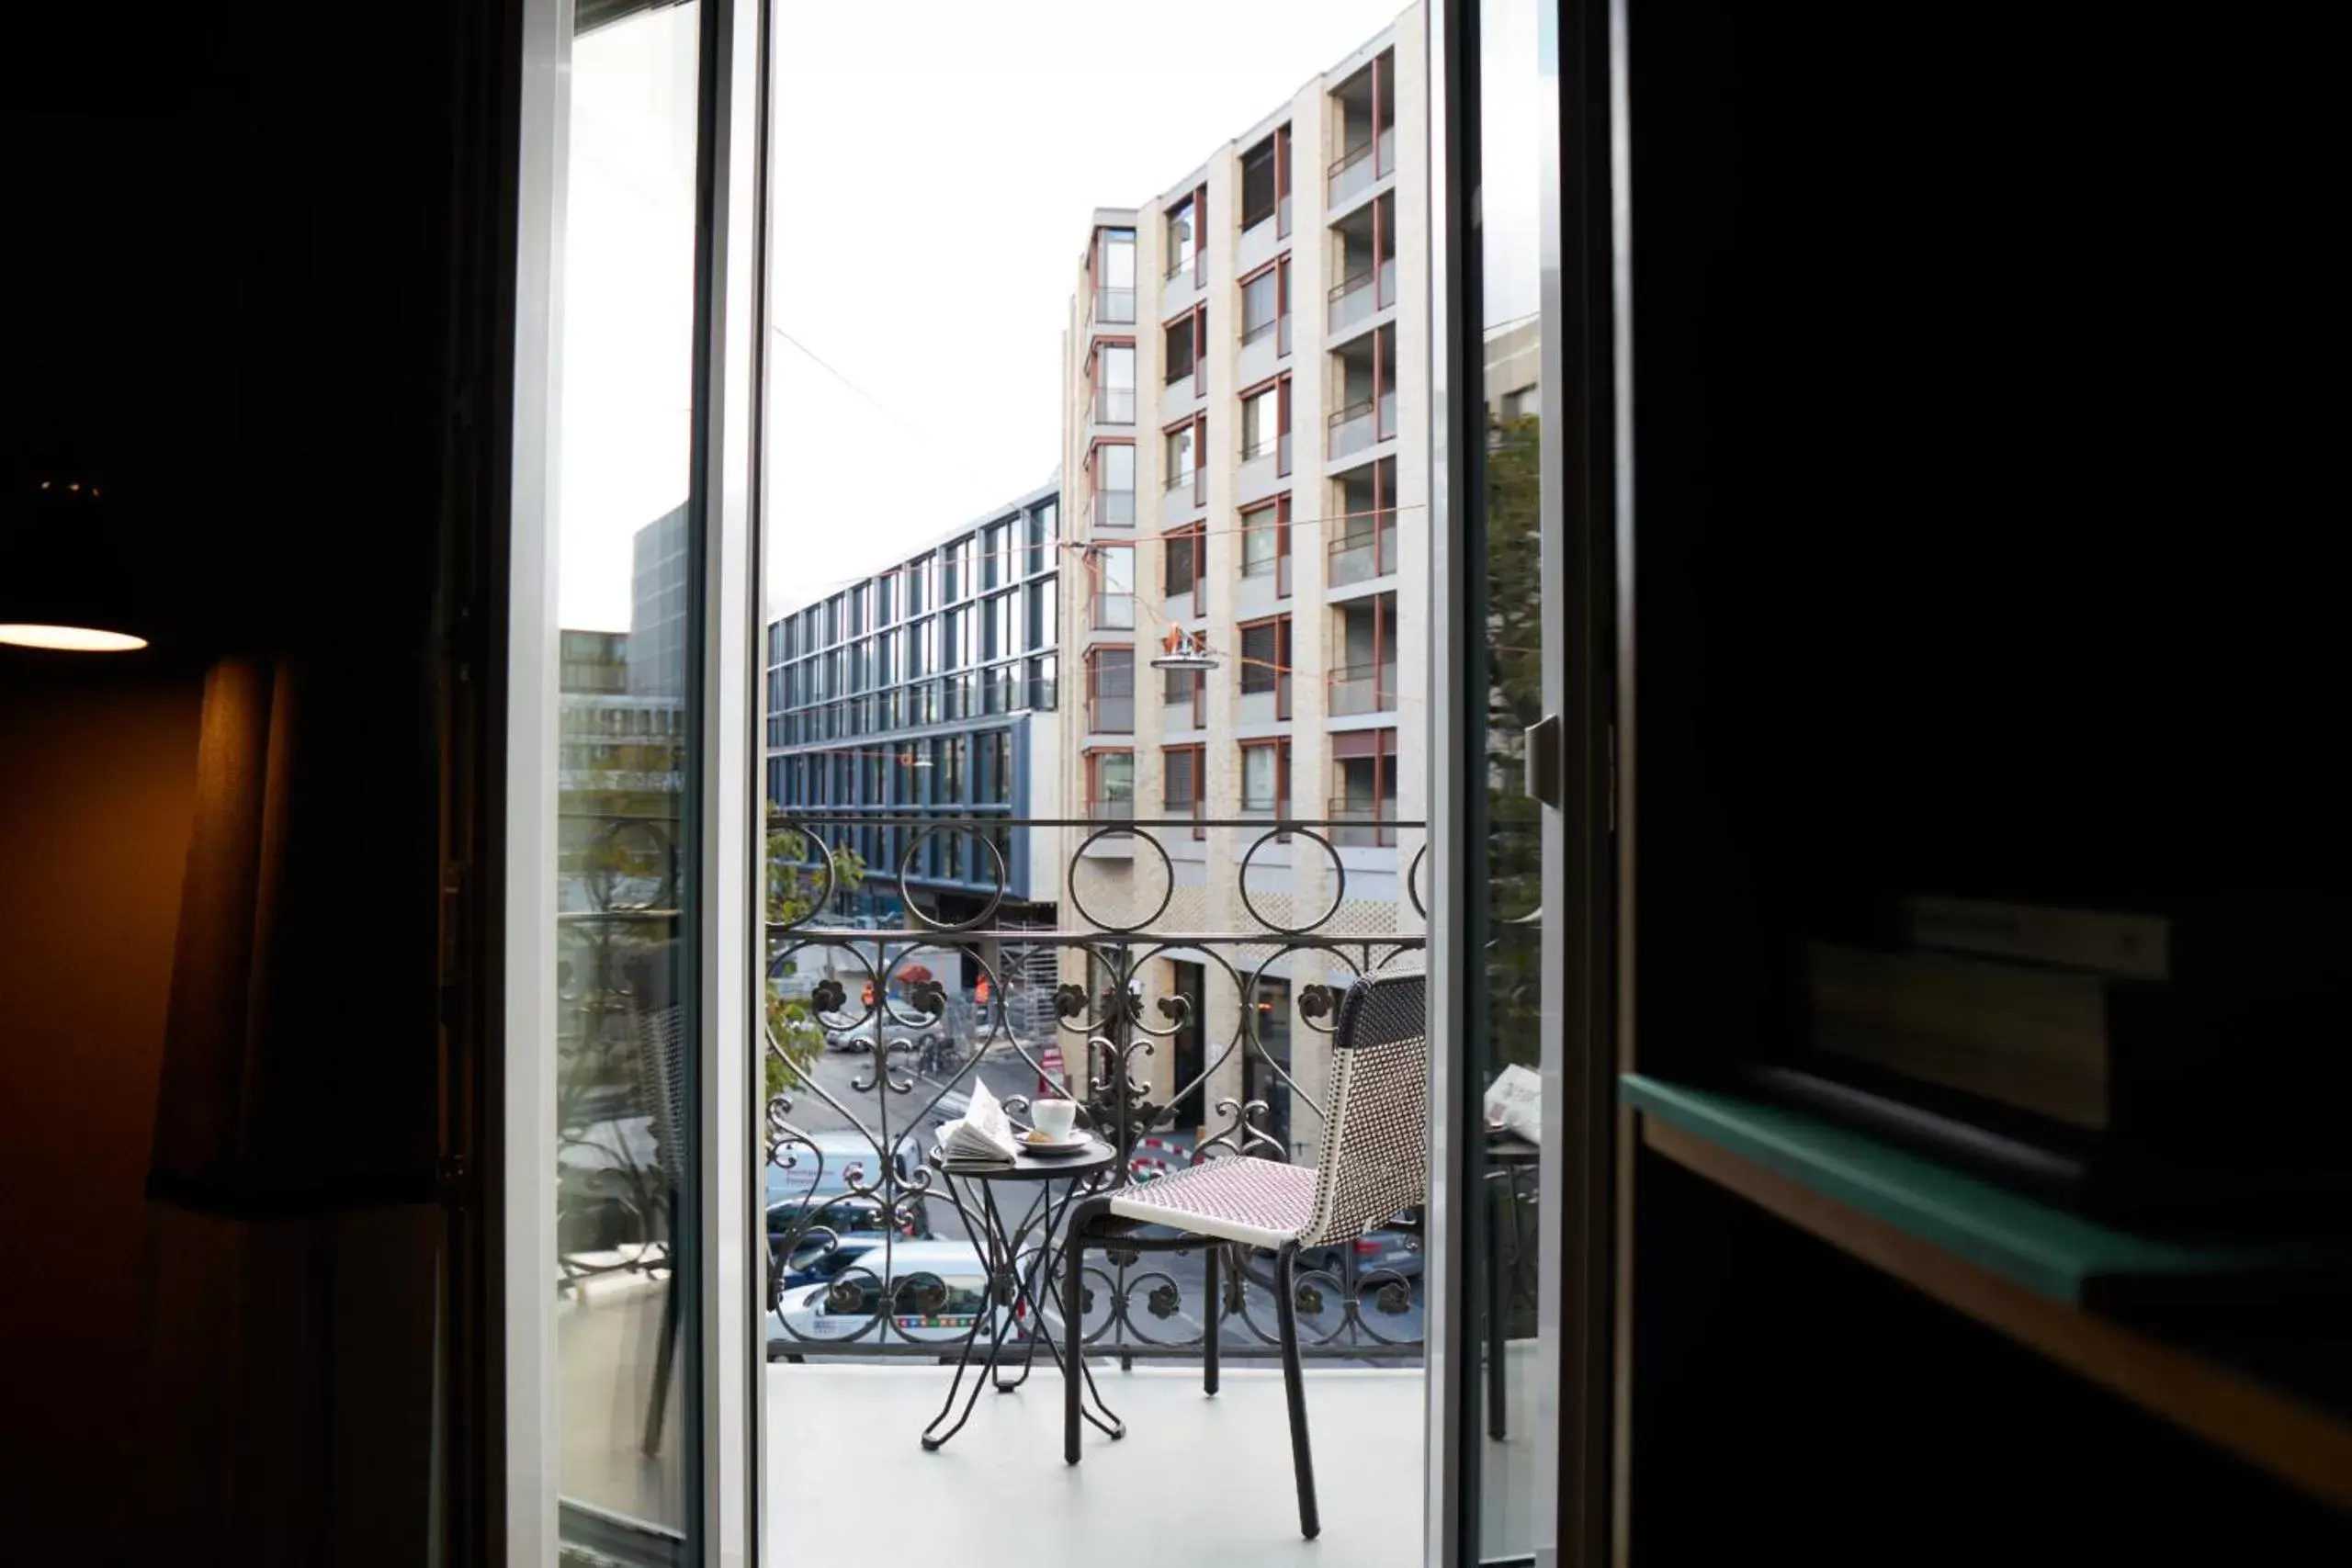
column 982, row 1133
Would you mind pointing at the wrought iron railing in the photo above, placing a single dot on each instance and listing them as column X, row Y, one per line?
column 1150, row 1021
column 1152, row 1018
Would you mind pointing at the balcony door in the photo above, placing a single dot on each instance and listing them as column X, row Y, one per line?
column 627, row 1303
column 1519, row 1304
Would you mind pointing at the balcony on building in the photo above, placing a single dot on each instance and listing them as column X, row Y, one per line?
column 1363, row 548
column 1364, row 267
column 1364, row 121
column 1110, row 299
column 1111, row 482
column 1363, row 656
column 1364, row 381
column 1182, row 257
column 1111, row 384
column 1362, row 820
column 1184, row 489
column 1111, row 689
column 1265, row 323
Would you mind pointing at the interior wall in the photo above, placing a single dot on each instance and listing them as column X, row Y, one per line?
column 97, row 776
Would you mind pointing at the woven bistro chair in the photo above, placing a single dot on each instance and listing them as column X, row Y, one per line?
column 1375, row 1163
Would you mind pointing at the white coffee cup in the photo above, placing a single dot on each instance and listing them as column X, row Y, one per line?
column 1055, row 1118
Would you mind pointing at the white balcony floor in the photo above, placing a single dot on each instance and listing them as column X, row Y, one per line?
column 1212, row 1472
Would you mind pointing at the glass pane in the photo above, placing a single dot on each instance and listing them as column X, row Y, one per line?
column 629, row 553
column 1508, row 1230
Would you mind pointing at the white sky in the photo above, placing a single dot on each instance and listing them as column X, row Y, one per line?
column 936, row 165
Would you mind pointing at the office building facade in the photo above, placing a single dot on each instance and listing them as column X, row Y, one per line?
column 930, row 689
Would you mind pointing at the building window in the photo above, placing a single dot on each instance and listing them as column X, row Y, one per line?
column 1041, row 537
column 1115, row 278
column 1260, row 422
column 1111, row 691
column 1261, row 539
column 1363, row 781
column 1042, row 630
column 1113, row 572
column 1182, row 688
column 1257, row 196
column 995, row 555
column 916, row 573
column 1115, row 484
column 1185, row 566
column 1183, row 234
column 1177, row 349
column 1181, row 454
column 1110, row 786
column 993, row 756
column 1265, row 663
column 1114, row 384
column 1041, row 695
column 1260, row 302
column 1183, row 784
column 1265, row 778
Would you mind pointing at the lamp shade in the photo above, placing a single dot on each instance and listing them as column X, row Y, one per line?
column 64, row 586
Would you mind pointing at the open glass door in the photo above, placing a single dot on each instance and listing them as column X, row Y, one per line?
column 1518, row 1377
column 628, row 1110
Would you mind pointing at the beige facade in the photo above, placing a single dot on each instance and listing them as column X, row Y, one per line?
column 1264, row 348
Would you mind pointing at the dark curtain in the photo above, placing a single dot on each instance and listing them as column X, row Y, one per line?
column 297, row 1059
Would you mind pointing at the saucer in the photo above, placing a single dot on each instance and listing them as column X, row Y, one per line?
column 1076, row 1143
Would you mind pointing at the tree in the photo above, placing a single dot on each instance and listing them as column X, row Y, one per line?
column 1514, row 701
column 796, row 883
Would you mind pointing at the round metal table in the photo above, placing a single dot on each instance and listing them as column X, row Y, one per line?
column 1018, row 1258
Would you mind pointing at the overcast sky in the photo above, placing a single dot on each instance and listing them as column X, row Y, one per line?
column 935, row 165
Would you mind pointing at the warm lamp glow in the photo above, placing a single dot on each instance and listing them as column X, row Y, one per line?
column 69, row 639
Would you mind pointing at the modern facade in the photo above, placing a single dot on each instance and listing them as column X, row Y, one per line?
column 930, row 687
column 1244, row 359
column 659, row 569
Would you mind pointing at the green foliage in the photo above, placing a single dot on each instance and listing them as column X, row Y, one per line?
column 795, row 1038
column 1514, row 701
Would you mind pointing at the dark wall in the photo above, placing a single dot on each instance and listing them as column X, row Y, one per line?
column 251, row 278
column 98, row 762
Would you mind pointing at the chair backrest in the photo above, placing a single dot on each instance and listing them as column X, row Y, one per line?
column 660, row 1064
column 1375, row 1157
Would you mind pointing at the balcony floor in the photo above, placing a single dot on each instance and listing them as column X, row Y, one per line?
column 1214, row 1474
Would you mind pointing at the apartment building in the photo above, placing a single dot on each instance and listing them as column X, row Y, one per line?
column 1246, row 372
column 930, row 688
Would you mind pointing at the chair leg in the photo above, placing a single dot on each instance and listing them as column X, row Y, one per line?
column 1310, row 1524
column 1073, row 1335
column 665, row 1356
column 1210, row 1301
column 1498, row 1426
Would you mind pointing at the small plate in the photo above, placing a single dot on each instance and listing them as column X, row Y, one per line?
column 1077, row 1143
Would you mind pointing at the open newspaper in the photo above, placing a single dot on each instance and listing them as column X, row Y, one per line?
column 982, row 1133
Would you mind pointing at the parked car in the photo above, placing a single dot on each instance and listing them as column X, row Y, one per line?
column 934, row 1292
column 1382, row 1252
column 803, row 1231
column 821, row 1162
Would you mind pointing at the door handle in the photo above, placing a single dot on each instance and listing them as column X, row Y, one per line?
column 1540, row 761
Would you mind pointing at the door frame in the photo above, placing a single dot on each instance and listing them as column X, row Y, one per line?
column 726, row 1360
